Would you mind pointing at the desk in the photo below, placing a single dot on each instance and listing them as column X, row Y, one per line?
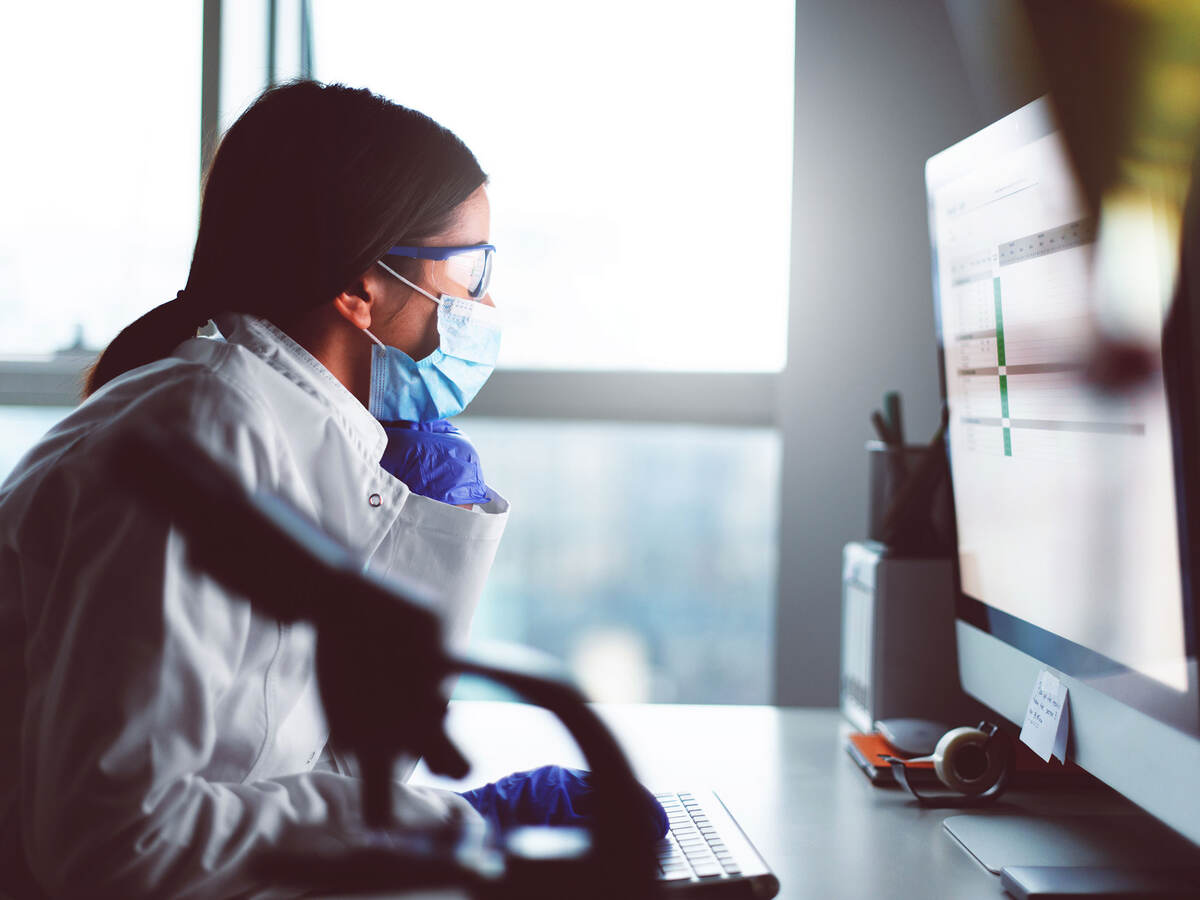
column 787, row 779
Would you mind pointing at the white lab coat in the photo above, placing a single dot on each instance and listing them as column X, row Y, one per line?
column 155, row 732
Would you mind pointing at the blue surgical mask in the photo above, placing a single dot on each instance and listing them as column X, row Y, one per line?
column 442, row 384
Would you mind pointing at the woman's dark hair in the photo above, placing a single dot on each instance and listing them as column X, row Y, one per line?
column 308, row 188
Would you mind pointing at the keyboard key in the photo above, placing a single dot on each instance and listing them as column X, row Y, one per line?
column 707, row 870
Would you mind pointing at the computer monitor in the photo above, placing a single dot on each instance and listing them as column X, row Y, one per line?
column 1071, row 519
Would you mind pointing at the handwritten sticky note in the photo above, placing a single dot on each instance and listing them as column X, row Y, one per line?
column 1046, row 718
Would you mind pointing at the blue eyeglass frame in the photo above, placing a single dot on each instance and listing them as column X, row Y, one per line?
column 439, row 253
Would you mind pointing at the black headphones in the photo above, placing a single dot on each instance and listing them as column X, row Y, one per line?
column 975, row 763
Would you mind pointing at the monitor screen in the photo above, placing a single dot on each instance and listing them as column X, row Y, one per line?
column 1065, row 494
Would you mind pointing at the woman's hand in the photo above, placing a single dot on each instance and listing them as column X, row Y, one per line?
column 550, row 795
column 435, row 460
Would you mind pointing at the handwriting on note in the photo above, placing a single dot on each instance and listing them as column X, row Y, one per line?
column 1047, row 718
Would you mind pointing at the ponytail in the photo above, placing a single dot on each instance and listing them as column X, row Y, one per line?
column 309, row 187
column 147, row 339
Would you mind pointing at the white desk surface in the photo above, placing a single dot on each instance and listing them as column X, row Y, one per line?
column 785, row 775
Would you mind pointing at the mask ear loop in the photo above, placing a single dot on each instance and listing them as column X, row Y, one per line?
column 415, row 287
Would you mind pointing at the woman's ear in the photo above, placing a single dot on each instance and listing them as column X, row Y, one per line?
column 357, row 302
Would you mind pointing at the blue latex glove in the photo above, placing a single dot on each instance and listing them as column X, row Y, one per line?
column 550, row 795
column 435, row 460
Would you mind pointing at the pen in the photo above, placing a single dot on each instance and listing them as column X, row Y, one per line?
column 891, row 409
column 881, row 428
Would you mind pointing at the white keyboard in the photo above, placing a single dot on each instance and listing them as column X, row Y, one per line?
column 692, row 846
column 707, row 848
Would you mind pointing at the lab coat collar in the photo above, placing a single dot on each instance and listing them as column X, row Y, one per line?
column 300, row 367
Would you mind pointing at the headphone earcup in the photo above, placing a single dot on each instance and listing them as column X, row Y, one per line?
column 965, row 762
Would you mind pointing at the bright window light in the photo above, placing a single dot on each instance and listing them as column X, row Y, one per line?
column 640, row 156
column 99, row 167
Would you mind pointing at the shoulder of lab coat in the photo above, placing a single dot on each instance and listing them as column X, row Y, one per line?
column 126, row 785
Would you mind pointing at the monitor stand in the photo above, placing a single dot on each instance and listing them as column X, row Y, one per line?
column 1094, row 851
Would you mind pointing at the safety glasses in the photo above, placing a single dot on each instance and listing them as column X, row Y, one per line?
column 470, row 266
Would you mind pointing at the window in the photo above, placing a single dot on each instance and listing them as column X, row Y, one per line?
column 100, row 184
column 640, row 162
column 629, row 547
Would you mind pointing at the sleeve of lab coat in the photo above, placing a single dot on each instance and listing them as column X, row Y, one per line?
column 128, row 657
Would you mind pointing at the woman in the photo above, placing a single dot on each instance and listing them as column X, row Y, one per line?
column 157, row 734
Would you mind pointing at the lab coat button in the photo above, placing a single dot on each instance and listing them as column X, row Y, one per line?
column 375, row 500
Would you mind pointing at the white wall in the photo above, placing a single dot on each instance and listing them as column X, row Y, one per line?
column 880, row 87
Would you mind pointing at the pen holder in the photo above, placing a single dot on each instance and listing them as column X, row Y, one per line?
column 910, row 508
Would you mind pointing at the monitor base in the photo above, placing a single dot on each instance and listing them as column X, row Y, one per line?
column 1127, row 840
column 1053, row 882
